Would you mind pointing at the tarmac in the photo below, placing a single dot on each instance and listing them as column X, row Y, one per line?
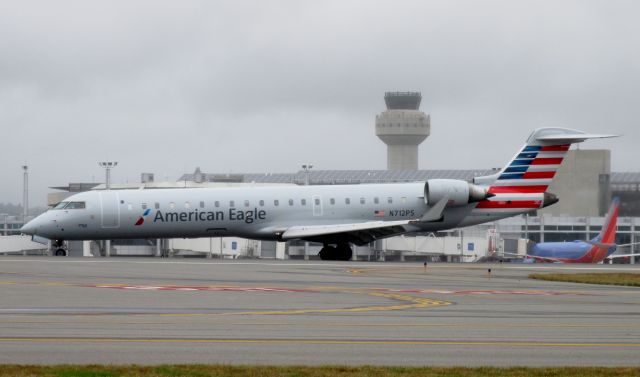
column 164, row 311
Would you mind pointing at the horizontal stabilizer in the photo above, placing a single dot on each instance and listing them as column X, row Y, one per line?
column 560, row 136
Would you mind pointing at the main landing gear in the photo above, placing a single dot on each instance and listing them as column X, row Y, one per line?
column 341, row 251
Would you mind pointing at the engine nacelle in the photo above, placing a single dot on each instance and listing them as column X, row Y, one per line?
column 459, row 192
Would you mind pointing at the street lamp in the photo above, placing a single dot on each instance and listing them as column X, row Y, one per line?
column 108, row 165
column 25, row 194
column 306, row 168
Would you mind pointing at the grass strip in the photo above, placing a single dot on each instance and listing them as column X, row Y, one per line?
column 302, row 371
column 628, row 279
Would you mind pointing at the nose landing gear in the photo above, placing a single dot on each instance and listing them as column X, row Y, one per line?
column 59, row 249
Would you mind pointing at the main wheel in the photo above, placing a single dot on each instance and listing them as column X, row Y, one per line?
column 60, row 253
column 344, row 252
column 328, row 253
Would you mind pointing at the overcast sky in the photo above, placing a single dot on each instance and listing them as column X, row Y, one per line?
column 263, row 86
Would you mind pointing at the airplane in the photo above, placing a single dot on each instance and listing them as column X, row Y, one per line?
column 334, row 215
column 597, row 250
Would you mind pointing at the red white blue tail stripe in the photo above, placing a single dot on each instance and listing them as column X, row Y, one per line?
column 522, row 183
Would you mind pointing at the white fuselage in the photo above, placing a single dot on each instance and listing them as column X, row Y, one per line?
column 256, row 212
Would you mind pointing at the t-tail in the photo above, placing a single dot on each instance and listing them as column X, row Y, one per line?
column 521, row 186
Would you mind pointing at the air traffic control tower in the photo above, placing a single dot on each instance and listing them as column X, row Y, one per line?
column 402, row 127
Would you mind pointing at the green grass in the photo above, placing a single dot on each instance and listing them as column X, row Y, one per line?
column 629, row 279
column 293, row 371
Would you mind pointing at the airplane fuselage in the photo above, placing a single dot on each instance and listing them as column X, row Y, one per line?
column 256, row 212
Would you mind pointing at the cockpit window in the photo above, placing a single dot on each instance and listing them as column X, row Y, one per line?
column 61, row 205
column 75, row 205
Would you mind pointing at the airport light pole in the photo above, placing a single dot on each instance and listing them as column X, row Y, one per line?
column 25, row 194
column 6, row 224
column 108, row 165
column 306, row 168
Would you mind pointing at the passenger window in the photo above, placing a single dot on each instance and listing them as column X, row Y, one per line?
column 361, row 200
column 276, row 203
column 376, row 200
column 201, row 204
column 187, row 205
column 316, row 201
column 332, row 201
column 347, row 201
column 172, row 205
column 303, row 202
column 246, row 203
column 403, row 199
column 261, row 203
column 157, row 205
column 143, row 205
column 389, row 200
column 216, row 203
column 290, row 202
column 232, row 203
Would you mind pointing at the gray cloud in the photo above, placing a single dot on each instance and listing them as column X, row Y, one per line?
column 257, row 86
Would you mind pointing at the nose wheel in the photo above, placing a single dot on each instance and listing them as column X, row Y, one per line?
column 59, row 248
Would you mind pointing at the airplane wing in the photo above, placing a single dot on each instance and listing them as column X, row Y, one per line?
column 628, row 244
column 541, row 259
column 358, row 233
column 614, row 256
column 362, row 233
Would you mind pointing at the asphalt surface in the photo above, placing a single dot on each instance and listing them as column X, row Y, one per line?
column 153, row 311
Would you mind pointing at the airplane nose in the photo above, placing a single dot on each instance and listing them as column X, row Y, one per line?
column 28, row 228
column 31, row 227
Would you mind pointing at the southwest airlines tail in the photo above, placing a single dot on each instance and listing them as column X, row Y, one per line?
column 605, row 242
column 522, row 184
column 608, row 233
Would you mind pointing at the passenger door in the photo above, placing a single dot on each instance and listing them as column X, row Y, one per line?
column 109, row 209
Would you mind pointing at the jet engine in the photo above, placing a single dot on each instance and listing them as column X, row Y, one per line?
column 458, row 192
